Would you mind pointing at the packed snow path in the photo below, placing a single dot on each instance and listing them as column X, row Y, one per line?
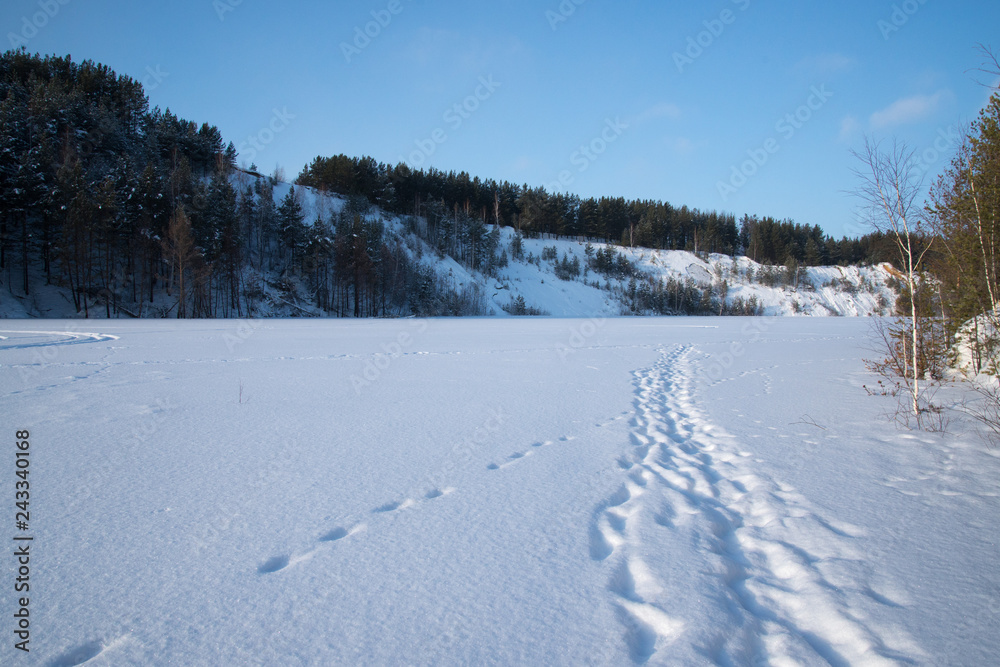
column 564, row 492
column 773, row 572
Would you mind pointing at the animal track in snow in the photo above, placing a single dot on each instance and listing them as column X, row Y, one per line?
column 338, row 534
column 282, row 562
column 334, row 535
column 439, row 493
column 395, row 506
column 274, row 564
column 609, row 422
column 511, row 460
column 79, row 655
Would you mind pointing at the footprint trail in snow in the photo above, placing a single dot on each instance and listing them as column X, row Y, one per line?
column 709, row 560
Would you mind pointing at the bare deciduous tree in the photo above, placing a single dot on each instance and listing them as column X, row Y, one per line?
column 889, row 190
column 182, row 254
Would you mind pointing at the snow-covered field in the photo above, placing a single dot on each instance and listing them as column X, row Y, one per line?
column 494, row 491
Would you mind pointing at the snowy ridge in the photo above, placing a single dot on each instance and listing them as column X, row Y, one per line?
column 770, row 588
column 818, row 291
column 823, row 291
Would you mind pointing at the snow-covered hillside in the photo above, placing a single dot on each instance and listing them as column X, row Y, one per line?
column 698, row 491
column 821, row 291
column 531, row 278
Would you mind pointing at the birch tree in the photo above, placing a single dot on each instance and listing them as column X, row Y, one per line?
column 889, row 190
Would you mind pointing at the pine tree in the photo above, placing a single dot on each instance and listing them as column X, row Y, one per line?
column 966, row 216
column 290, row 225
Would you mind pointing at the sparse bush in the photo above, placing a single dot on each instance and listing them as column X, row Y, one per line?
column 517, row 247
column 567, row 269
column 519, row 308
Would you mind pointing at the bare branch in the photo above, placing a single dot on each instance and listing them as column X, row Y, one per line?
column 991, row 66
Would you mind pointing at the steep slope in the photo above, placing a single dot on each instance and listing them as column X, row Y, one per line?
column 529, row 279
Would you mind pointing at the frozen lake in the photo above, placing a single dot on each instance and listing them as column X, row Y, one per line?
column 561, row 492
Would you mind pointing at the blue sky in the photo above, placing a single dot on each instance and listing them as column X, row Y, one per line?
column 734, row 105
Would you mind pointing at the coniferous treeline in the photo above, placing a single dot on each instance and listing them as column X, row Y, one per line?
column 534, row 212
column 123, row 204
column 94, row 182
column 964, row 212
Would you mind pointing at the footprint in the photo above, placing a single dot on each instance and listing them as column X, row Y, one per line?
column 395, row 505
column 646, row 628
column 623, row 583
column 639, row 477
column 600, row 546
column 620, row 497
column 79, row 655
column 665, row 517
column 617, row 522
column 334, row 535
column 434, row 493
column 513, row 458
column 272, row 565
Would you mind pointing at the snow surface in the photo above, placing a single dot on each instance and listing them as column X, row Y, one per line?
column 521, row 492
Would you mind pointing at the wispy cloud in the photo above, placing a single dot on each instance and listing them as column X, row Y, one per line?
column 825, row 64
column 850, row 129
column 439, row 47
column 909, row 110
column 524, row 164
column 662, row 110
column 682, row 146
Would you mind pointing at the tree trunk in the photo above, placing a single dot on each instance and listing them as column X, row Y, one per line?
column 24, row 251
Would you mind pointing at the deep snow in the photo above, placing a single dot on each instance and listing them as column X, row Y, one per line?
column 669, row 491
